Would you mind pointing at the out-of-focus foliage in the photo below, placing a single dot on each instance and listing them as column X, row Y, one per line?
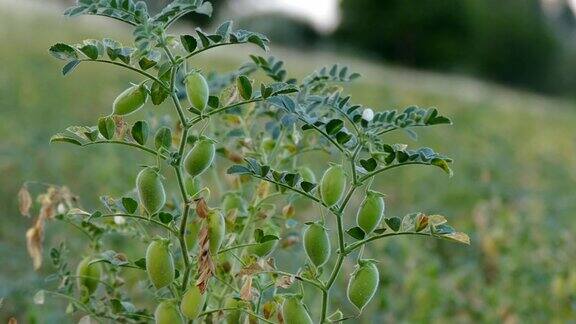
column 512, row 42
column 517, row 199
column 283, row 29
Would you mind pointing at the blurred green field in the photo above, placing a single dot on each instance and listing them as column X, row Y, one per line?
column 513, row 189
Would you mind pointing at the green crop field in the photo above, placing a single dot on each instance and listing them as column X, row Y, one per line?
column 513, row 188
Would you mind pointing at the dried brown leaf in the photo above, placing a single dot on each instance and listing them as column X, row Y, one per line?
column 251, row 269
column 34, row 237
column 202, row 209
column 205, row 264
column 246, row 290
column 12, row 320
column 263, row 189
column 24, row 201
column 284, row 281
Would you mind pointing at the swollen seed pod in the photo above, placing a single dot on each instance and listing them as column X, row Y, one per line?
column 294, row 312
column 197, row 90
column 150, row 190
column 192, row 302
column 216, row 230
column 232, row 201
column 192, row 231
column 167, row 313
column 130, row 100
column 371, row 211
column 363, row 284
column 264, row 249
column 159, row 263
column 200, row 157
column 307, row 174
column 333, row 185
column 88, row 275
column 317, row 244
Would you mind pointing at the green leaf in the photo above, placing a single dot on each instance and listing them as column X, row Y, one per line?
column 158, row 93
column 307, row 186
column 334, row 126
column 64, row 139
column 130, row 205
column 356, row 232
column 165, row 217
column 163, row 138
column 258, row 235
column 149, row 60
column 380, row 230
column 107, row 127
column 90, row 50
column 394, row 223
column 238, row 169
column 203, row 38
column 189, row 43
column 268, row 237
column 213, row 102
column 63, row 52
column 244, row 87
column 141, row 263
column 369, row 164
column 69, row 67
column 140, row 132
column 442, row 164
column 255, row 39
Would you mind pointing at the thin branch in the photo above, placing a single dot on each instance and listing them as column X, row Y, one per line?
column 138, row 146
column 150, row 220
column 198, row 119
column 373, row 173
column 144, row 73
column 358, row 244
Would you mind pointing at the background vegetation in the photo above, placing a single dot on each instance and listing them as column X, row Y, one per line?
column 515, row 156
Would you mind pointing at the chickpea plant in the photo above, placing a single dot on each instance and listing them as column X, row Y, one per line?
column 211, row 233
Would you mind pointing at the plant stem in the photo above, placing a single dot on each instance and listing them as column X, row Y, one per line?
column 341, row 244
column 144, row 73
column 178, row 170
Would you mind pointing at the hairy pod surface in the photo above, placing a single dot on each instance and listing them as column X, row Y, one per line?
column 332, row 185
column 167, row 313
column 192, row 231
column 317, row 244
column 232, row 201
column 307, row 174
column 192, row 302
column 216, row 230
column 88, row 275
column 130, row 100
column 150, row 190
column 200, row 157
column 294, row 312
column 363, row 284
column 197, row 90
column 159, row 263
column 371, row 211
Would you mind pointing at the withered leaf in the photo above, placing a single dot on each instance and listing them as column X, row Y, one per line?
column 24, row 201
column 246, row 290
column 205, row 264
